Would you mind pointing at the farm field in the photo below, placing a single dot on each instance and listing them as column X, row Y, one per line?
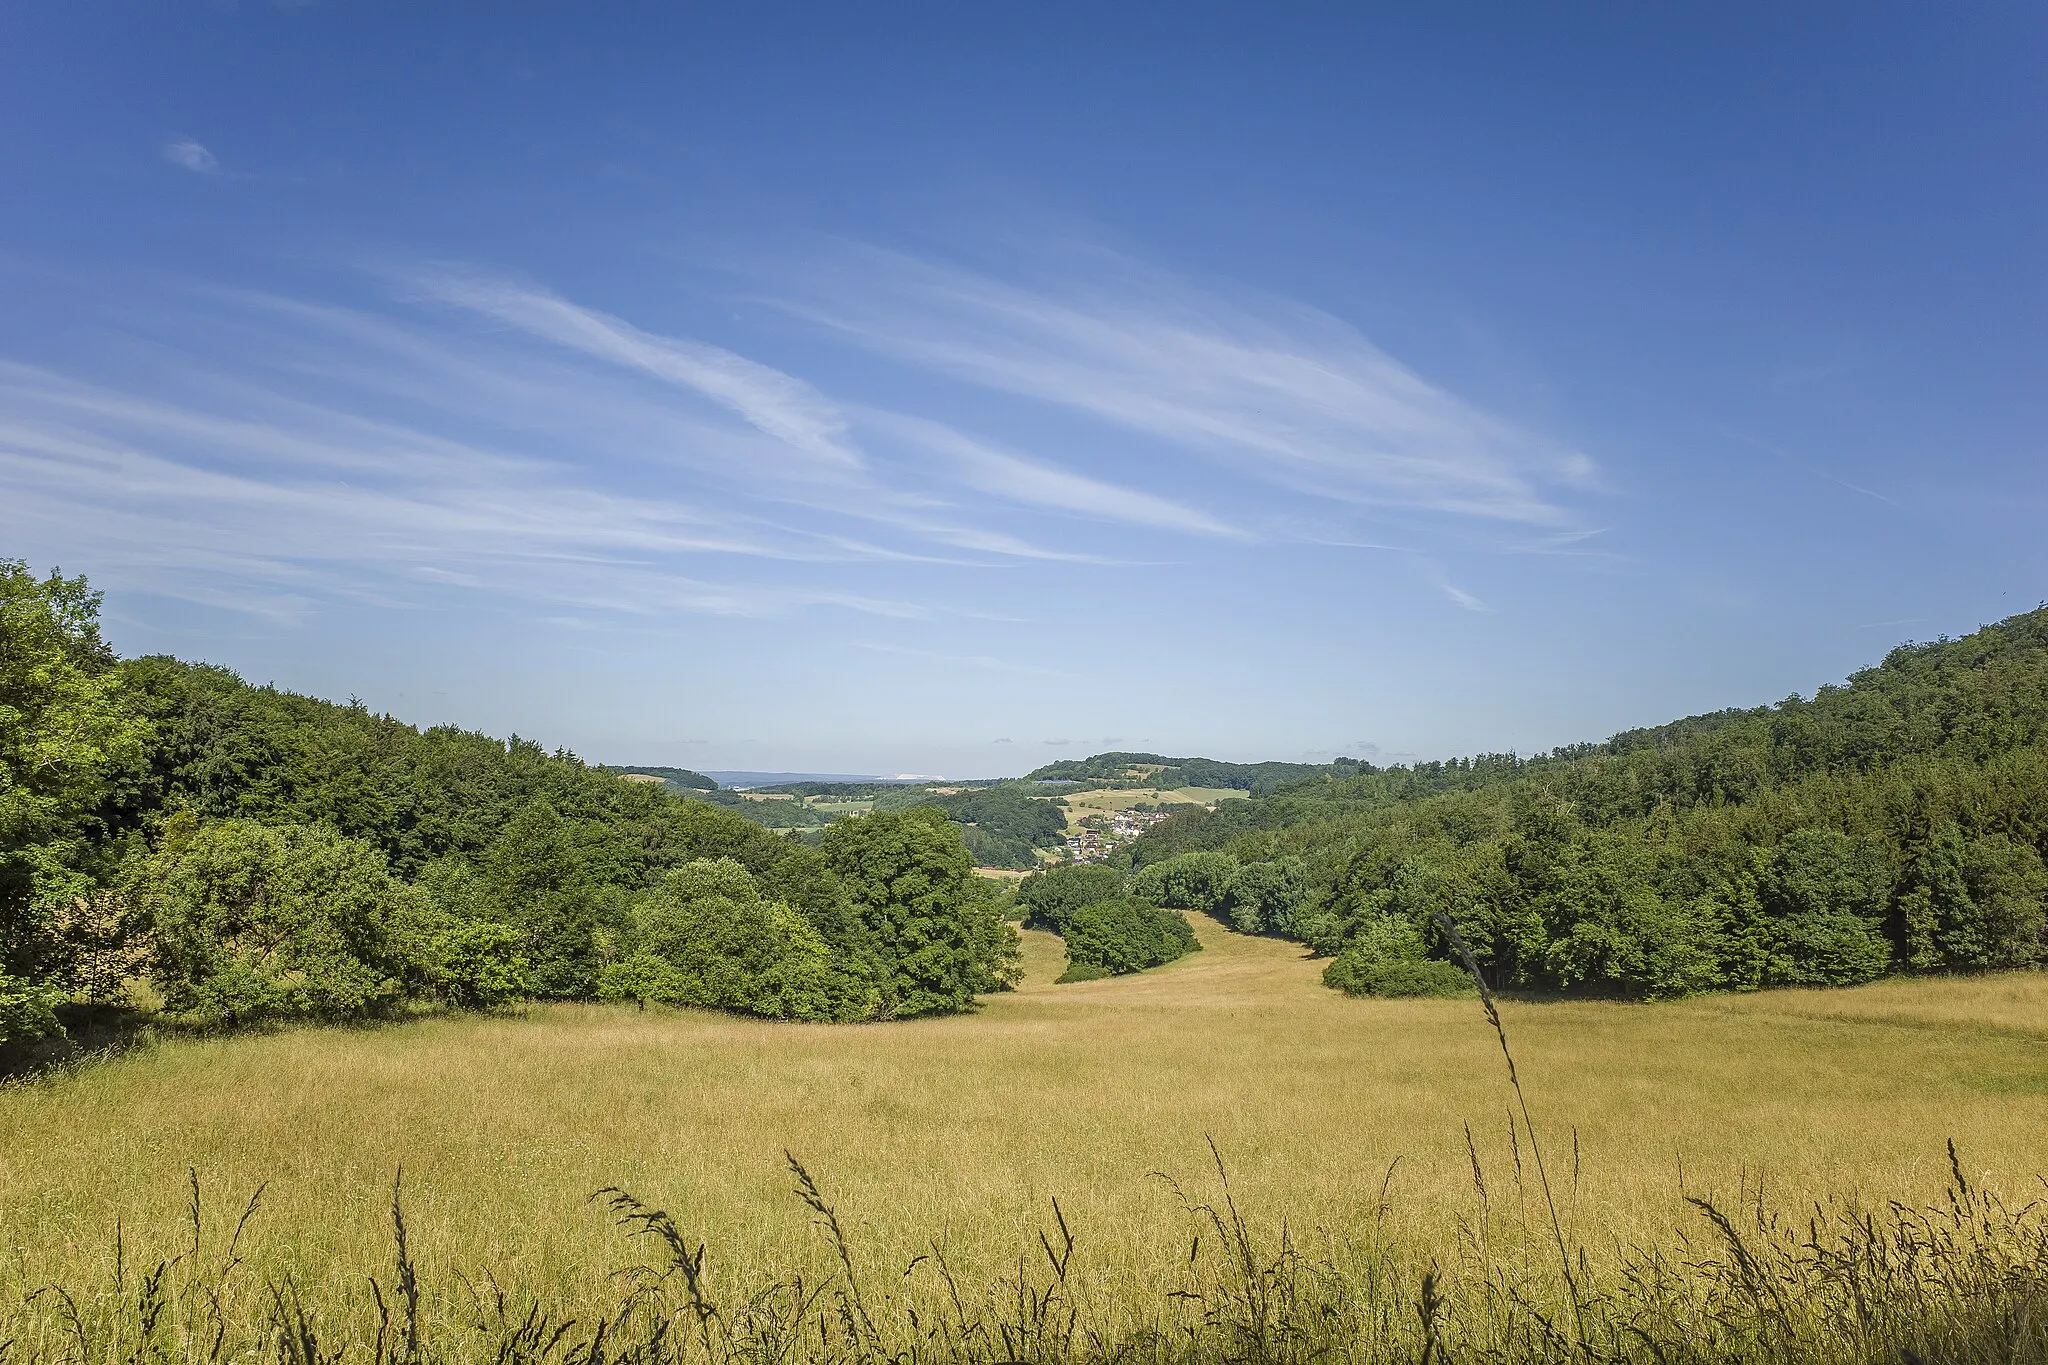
column 958, row 1132
column 1102, row 800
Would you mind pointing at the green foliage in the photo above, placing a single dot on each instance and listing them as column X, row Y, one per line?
column 680, row 779
column 1048, row 898
column 251, row 922
column 1263, row 897
column 1001, row 825
column 264, row 855
column 1896, row 823
column 937, row 935
column 1124, row 935
column 707, row 938
column 28, row 1010
column 1397, row 978
column 1190, row 881
column 1389, row 956
column 1130, row 770
column 1975, row 903
column 479, row 965
column 538, row 877
column 1826, row 895
column 71, row 744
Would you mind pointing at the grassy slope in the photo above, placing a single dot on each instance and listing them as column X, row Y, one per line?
column 960, row 1130
column 1101, row 800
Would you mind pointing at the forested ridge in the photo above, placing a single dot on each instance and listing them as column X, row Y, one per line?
column 1160, row 770
column 682, row 779
column 1892, row 824
column 174, row 840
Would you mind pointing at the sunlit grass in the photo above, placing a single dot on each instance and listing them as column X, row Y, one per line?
column 960, row 1131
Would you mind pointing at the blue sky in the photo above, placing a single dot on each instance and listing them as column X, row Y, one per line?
column 949, row 389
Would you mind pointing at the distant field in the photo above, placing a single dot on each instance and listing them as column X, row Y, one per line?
column 839, row 808
column 1003, row 874
column 1098, row 802
column 959, row 1131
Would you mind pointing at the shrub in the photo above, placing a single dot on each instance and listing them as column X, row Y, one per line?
column 1355, row 975
column 27, row 1011
column 1049, row 897
column 480, row 965
column 707, row 938
column 249, row 922
column 1261, row 898
column 1126, row 935
column 1389, row 957
column 1191, row 881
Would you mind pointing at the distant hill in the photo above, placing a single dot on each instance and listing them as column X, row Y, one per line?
column 679, row 779
column 1159, row 770
column 752, row 779
column 1894, row 823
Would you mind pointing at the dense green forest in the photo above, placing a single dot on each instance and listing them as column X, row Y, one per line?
column 174, row 840
column 1157, row 770
column 1003, row 826
column 1893, row 824
column 781, row 815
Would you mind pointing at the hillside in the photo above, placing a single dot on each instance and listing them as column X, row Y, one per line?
column 1895, row 823
column 179, row 845
column 1158, row 770
column 677, row 779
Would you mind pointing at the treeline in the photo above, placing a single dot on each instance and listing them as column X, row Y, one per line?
column 1893, row 824
column 1157, row 770
column 174, row 838
column 1112, row 924
column 1002, row 823
column 776, row 815
column 1003, row 826
column 681, row 779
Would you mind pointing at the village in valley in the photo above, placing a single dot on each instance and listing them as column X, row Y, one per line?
column 1101, row 835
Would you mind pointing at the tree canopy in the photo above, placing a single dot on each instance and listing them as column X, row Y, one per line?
column 258, row 855
column 1896, row 823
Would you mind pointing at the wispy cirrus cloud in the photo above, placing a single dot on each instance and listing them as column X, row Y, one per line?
column 488, row 436
column 775, row 403
column 327, row 453
column 271, row 518
column 1274, row 390
column 983, row 465
column 192, row 155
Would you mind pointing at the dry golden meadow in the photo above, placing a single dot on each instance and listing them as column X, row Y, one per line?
column 1344, row 1118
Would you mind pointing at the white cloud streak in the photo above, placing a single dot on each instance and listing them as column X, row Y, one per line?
column 560, row 454
column 775, row 403
column 191, row 155
column 295, row 514
column 1006, row 474
column 1274, row 390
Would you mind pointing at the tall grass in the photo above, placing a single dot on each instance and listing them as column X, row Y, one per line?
column 589, row 1185
column 1962, row 1281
